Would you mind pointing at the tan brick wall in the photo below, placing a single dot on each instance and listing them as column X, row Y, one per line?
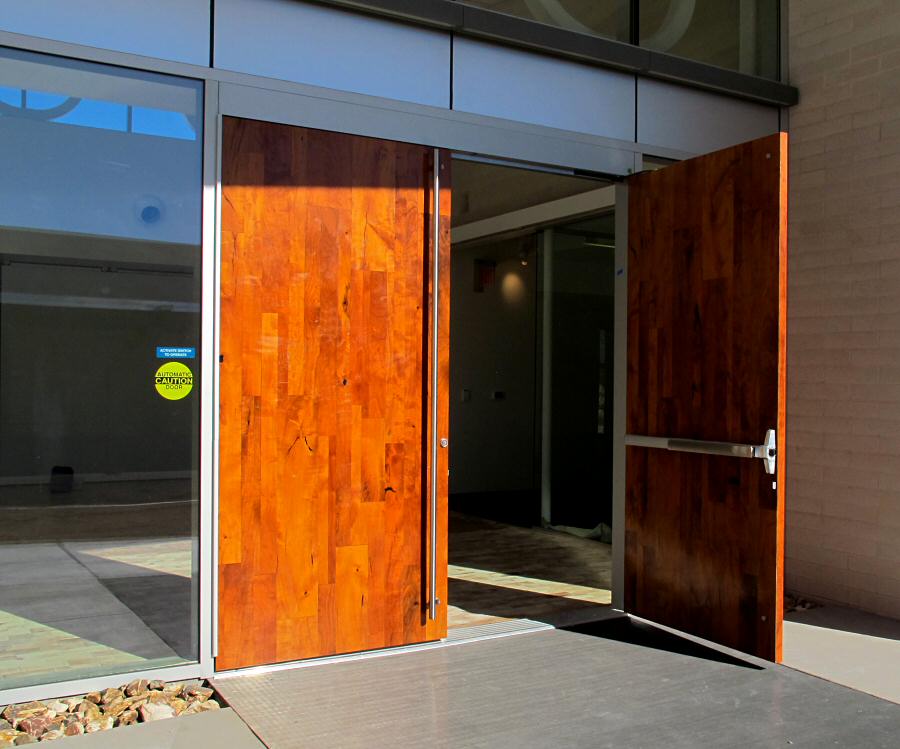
column 843, row 494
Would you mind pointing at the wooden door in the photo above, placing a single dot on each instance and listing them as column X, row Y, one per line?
column 324, row 394
column 707, row 270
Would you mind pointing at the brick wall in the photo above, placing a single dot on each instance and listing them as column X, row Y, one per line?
column 843, row 494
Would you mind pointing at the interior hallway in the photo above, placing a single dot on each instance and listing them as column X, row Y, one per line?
column 499, row 571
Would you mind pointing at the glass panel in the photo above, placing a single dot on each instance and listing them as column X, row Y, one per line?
column 739, row 35
column 607, row 18
column 581, row 296
column 99, row 449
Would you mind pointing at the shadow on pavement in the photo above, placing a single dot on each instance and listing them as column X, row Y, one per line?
column 641, row 634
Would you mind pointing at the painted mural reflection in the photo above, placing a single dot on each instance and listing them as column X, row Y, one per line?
column 99, row 320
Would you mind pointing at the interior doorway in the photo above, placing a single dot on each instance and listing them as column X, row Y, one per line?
column 531, row 394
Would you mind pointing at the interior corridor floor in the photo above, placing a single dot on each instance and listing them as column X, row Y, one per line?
column 500, row 571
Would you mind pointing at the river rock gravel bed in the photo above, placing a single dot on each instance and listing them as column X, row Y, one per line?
column 139, row 701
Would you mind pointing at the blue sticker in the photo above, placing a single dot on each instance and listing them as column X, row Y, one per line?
column 175, row 352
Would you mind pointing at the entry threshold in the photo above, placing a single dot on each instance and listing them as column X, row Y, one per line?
column 455, row 636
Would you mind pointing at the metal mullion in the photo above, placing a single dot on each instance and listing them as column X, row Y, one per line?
column 209, row 454
column 634, row 22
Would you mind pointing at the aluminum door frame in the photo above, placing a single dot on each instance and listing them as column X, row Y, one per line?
column 398, row 121
column 255, row 97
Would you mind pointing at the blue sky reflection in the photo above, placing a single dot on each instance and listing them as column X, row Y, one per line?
column 104, row 115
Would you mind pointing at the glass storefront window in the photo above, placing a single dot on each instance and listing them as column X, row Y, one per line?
column 606, row 18
column 739, row 35
column 581, row 298
column 100, row 213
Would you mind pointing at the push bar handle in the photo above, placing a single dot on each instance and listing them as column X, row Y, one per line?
column 766, row 452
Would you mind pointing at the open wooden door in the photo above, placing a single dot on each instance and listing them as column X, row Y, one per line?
column 328, row 542
column 707, row 272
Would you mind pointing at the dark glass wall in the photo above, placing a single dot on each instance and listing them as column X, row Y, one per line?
column 740, row 35
column 581, row 295
column 606, row 18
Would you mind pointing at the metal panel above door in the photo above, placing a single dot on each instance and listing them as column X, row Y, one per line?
column 167, row 29
column 673, row 116
column 414, row 123
column 529, row 87
column 337, row 49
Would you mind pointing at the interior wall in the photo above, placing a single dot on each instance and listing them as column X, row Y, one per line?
column 492, row 370
column 77, row 361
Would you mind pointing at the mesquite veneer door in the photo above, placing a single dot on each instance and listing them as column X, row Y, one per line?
column 324, row 394
column 707, row 271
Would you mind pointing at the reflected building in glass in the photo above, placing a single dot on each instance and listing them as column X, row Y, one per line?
column 99, row 266
column 739, row 35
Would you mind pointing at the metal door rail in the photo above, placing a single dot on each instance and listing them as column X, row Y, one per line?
column 765, row 452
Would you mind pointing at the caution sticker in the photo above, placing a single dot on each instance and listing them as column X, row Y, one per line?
column 174, row 380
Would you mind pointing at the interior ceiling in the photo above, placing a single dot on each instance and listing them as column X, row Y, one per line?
column 591, row 233
column 482, row 190
column 595, row 226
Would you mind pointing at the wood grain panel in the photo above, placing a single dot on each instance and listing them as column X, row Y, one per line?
column 707, row 262
column 324, row 394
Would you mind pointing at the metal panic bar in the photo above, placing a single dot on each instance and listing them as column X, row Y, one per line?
column 765, row 452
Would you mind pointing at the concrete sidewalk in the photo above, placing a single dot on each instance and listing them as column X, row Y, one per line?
column 216, row 729
column 846, row 646
column 620, row 683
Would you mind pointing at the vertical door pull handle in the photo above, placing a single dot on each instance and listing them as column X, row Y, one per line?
column 435, row 353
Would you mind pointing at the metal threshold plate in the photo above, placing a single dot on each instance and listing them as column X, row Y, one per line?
column 457, row 636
